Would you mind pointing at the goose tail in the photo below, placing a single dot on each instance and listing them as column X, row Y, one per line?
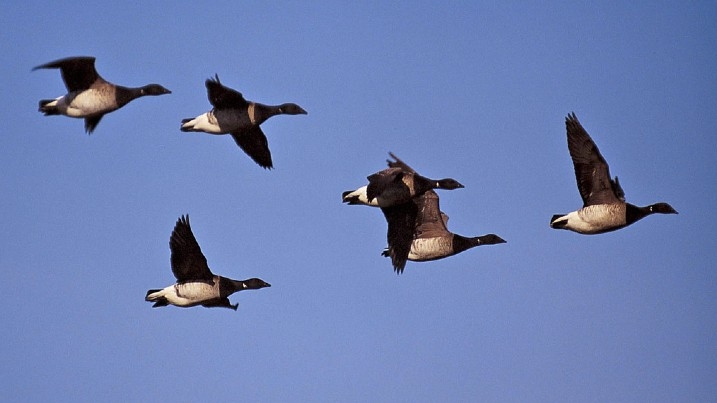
column 187, row 125
column 156, row 297
column 49, row 107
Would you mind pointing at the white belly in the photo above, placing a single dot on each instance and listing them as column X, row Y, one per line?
column 190, row 294
column 423, row 249
column 596, row 219
column 82, row 104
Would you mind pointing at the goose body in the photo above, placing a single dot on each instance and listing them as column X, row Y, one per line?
column 604, row 207
column 196, row 284
column 234, row 115
column 191, row 293
column 593, row 219
column 418, row 229
column 209, row 293
column 89, row 96
column 221, row 121
column 426, row 249
column 81, row 104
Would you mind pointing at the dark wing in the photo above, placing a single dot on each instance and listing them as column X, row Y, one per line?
column 430, row 221
column 591, row 170
column 444, row 217
column 223, row 97
column 399, row 164
column 78, row 73
column 254, row 143
column 401, row 227
column 619, row 193
column 220, row 303
column 381, row 180
column 91, row 123
column 188, row 261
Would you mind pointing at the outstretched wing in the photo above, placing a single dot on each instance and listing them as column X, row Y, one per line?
column 401, row 220
column 91, row 123
column 223, row 97
column 591, row 170
column 255, row 145
column 188, row 261
column 397, row 163
column 78, row 73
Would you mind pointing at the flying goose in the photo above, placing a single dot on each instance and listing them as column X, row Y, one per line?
column 394, row 185
column 232, row 114
column 89, row 96
column 418, row 231
column 604, row 207
column 196, row 285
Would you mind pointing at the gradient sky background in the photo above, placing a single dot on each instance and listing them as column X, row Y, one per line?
column 477, row 92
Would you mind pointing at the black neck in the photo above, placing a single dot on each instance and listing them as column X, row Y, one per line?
column 423, row 184
column 461, row 243
column 634, row 213
column 125, row 94
column 263, row 112
column 228, row 286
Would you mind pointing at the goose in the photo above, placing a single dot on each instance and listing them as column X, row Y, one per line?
column 395, row 185
column 412, row 233
column 604, row 207
column 89, row 96
column 418, row 231
column 232, row 114
column 196, row 285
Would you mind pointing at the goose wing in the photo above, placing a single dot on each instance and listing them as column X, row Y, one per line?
column 591, row 170
column 397, row 163
column 254, row 143
column 430, row 221
column 401, row 220
column 188, row 261
column 78, row 73
column 223, row 97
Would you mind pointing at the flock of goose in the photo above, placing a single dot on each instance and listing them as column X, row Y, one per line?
column 417, row 228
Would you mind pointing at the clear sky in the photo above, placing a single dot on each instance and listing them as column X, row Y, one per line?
column 456, row 89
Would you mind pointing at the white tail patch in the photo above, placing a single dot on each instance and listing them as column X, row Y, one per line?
column 203, row 123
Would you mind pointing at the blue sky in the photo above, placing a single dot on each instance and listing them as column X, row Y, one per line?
column 477, row 92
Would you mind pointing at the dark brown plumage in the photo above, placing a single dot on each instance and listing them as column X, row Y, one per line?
column 89, row 96
column 196, row 284
column 417, row 229
column 234, row 115
column 604, row 207
column 397, row 185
